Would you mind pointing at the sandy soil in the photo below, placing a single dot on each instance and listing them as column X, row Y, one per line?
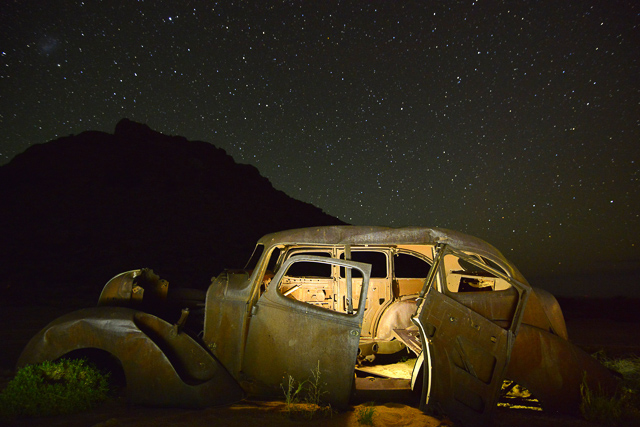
column 18, row 324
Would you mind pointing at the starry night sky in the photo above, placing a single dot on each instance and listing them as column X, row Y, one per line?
column 517, row 122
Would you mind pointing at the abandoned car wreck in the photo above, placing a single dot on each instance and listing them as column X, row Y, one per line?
column 349, row 300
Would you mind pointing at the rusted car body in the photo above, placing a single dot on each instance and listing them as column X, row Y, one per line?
column 345, row 299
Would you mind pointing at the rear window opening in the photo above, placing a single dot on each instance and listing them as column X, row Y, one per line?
column 463, row 276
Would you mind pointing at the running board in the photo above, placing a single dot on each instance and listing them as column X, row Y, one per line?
column 372, row 383
column 383, row 390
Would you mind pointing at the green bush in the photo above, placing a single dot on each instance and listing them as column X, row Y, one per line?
column 53, row 388
column 623, row 407
column 629, row 368
column 365, row 414
column 598, row 407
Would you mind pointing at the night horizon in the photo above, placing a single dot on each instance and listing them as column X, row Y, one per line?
column 517, row 124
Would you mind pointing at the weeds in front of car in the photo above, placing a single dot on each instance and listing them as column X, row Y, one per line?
column 54, row 388
column 629, row 368
column 365, row 413
column 291, row 392
column 599, row 407
column 304, row 399
column 624, row 406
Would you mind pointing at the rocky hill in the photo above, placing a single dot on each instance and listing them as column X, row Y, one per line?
column 80, row 209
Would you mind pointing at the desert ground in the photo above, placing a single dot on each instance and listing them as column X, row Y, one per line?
column 610, row 330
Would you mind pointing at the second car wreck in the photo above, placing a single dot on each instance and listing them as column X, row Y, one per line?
column 349, row 300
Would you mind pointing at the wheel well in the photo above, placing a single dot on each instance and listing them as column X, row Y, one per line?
column 106, row 363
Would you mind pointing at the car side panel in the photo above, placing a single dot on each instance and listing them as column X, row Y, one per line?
column 293, row 338
column 162, row 365
column 553, row 369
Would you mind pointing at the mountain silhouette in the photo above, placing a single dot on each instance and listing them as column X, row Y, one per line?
column 80, row 209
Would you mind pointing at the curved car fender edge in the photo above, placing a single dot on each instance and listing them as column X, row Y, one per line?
column 160, row 366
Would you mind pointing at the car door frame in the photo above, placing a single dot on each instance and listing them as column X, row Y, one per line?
column 465, row 354
column 289, row 338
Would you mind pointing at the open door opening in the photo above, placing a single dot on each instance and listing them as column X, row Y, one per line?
column 388, row 354
column 385, row 374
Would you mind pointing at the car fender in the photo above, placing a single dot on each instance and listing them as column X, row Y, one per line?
column 553, row 369
column 162, row 364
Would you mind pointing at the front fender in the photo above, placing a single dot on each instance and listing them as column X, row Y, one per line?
column 161, row 365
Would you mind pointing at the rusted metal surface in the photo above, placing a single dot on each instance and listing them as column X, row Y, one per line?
column 227, row 313
column 473, row 321
column 473, row 340
column 542, row 309
column 358, row 235
column 134, row 288
column 396, row 316
column 289, row 337
column 553, row 369
column 119, row 290
column 468, row 355
column 541, row 360
column 161, row 367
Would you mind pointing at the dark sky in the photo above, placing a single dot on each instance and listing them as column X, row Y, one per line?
column 517, row 122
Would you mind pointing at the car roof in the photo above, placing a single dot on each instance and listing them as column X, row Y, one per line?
column 389, row 236
column 374, row 235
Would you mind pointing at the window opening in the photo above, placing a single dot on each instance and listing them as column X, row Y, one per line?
column 312, row 282
column 410, row 266
column 255, row 256
column 377, row 259
column 410, row 272
column 310, row 269
column 272, row 267
column 465, row 276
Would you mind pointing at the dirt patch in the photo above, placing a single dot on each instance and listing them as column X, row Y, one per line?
column 244, row 414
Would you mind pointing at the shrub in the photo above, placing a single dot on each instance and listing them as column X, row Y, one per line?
column 623, row 408
column 629, row 368
column 53, row 388
column 599, row 407
column 365, row 414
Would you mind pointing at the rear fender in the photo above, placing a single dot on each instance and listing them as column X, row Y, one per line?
column 162, row 365
column 553, row 369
